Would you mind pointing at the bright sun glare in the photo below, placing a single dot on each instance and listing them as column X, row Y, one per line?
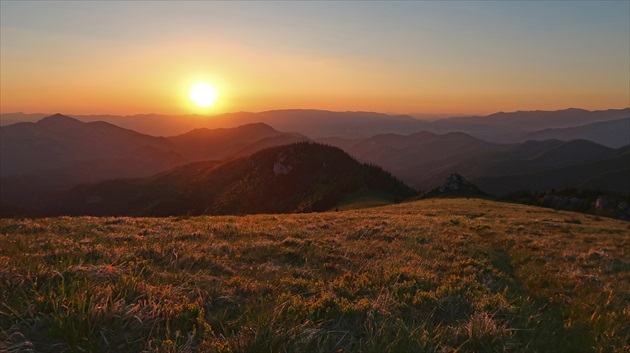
column 203, row 94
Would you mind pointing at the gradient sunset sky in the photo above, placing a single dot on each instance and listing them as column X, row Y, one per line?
column 130, row 57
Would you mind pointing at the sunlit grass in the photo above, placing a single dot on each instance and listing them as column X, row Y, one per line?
column 429, row 276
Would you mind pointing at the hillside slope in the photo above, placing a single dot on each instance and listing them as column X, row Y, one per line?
column 60, row 152
column 58, row 142
column 214, row 144
column 300, row 177
column 609, row 174
column 64, row 147
column 430, row 276
column 421, row 159
column 424, row 159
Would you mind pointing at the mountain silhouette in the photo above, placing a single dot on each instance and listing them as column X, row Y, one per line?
column 58, row 141
column 534, row 120
column 59, row 152
column 425, row 159
column 515, row 126
column 456, row 185
column 213, row 144
column 609, row 173
column 611, row 133
column 301, row 177
column 59, row 144
column 310, row 122
column 502, row 127
column 421, row 159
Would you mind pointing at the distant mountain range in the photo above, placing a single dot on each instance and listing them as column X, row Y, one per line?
column 562, row 125
column 312, row 123
column 40, row 161
column 213, row 144
column 59, row 152
column 611, row 133
column 302, row 177
column 59, row 143
column 425, row 159
column 533, row 120
column 421, row 159
column 499, row 127
column 86, row 152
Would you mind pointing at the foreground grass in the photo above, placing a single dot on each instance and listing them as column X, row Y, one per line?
column 429, row 276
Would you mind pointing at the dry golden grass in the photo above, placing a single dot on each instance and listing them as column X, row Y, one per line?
column 446, row 275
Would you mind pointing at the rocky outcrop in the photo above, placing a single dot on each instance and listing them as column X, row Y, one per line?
column 456, row 185
column 454, row 182
column 613, row 207
column 605, row 203
column 281, row 167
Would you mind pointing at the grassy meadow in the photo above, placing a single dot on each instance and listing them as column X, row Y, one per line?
column 447, row 275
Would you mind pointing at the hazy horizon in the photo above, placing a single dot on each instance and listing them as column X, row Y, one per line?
column 438, row 58
column 416, row 115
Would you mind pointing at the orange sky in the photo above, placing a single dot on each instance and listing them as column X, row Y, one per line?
column 454, row 57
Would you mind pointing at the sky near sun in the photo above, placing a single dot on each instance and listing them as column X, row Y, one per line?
column 132, row 57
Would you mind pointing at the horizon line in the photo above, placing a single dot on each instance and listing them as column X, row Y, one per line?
column 314, row 109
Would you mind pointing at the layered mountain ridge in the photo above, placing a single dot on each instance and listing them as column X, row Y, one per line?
column 499, row 127
column 425, row 159
column 301, row 177
column 41, row 160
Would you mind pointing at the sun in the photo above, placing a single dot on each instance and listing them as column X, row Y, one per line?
column 203, row 95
